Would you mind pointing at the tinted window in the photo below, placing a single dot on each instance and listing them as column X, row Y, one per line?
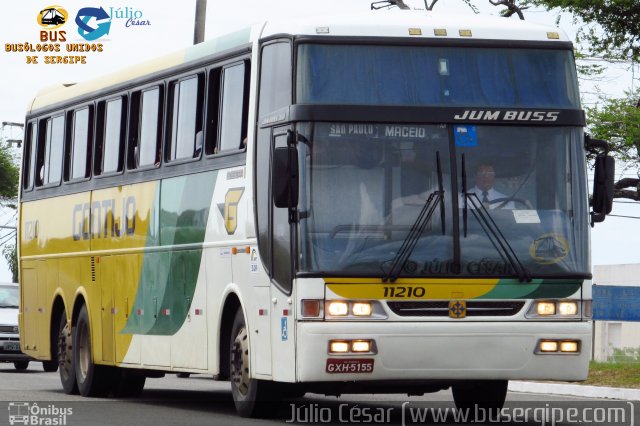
column 149, row 134
column 80, row 144
column 425, row 75
column 53, row 150
column 232, row 108
column 184, row 123
column 112, row 137
column 29, row 157
column 275, row 77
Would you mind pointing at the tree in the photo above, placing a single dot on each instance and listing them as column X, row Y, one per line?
column 617, row 120
column 612, row 27
column 9, row 173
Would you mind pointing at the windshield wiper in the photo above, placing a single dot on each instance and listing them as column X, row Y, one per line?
column 418, row 227
column 9, row 306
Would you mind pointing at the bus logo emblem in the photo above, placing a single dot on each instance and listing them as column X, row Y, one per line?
column 457, row 309
column 230, row 214
column 549, row 249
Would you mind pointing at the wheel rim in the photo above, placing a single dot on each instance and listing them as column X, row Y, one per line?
column 84, row 349
column 240, row 362
column 64, row 352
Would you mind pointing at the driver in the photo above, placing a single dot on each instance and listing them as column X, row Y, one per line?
column 487, row 194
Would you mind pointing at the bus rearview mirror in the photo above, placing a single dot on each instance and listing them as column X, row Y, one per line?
column 285, row 177
column 603, row 185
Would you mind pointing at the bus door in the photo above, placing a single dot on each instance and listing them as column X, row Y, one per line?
column 282, row 317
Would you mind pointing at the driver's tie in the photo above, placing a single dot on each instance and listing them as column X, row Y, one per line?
column 485, row 200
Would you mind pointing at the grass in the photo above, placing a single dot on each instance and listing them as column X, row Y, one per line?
column 614, row 374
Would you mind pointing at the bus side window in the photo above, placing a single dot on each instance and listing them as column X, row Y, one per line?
column 78, row 149
column 111, row 130
column 233, row 107
column 29, row 155
column 145, row 129
column 50, row 145
column 185, row 103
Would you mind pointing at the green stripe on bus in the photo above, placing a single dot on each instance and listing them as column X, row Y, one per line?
column 168, row 278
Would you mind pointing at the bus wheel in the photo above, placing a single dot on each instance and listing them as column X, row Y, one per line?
column 65, row 356
column 21, row 365
column 50, row 366
column 484, row 394
column 92, row 379
column 128, row 385
column 249, row 395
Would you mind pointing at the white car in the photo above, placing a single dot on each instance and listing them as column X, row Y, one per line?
column 9, row 332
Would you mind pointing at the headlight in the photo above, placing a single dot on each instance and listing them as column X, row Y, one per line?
column 546, row 308
column 351, row 310
column 338, row 308
column 567, row 308
column 559, row 309
column 338, row 346
column 362, row 309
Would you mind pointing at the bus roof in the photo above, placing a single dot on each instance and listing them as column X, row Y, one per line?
column 396, row 23
column 393, row 23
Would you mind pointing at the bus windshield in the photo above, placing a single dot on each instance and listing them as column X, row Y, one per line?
column 436, row 76
column 363, row 186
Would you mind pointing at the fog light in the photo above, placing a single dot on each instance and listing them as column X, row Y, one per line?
column 549, row 346
column 570, row 346
column 361, row 309
column 546, row 308
column 361, row 346
column 337, row 308
column 311, row 308
column 567, row 308
column 338, row 346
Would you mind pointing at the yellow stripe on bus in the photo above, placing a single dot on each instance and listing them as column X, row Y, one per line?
column 410, row 288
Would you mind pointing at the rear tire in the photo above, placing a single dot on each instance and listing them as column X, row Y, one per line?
column 21, row 365
column 250, row 396
column 93, row 379
column 67, row 367
column 50, row 366
column 128, row 385
column 484, row 394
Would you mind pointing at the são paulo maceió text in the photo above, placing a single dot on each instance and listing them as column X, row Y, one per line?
column 104, row 219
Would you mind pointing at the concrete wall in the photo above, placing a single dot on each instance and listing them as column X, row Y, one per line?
column 612, row 327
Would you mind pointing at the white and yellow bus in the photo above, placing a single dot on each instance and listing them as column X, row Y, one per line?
column 391, row 203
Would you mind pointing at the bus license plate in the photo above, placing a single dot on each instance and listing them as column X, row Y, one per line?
column 11, row 346
column 352, row 365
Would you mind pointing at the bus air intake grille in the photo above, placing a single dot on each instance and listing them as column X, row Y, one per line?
column 440, row 308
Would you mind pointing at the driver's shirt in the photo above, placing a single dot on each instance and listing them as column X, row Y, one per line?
column 491, row 195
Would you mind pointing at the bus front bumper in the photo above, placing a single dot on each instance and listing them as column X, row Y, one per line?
column 443, row 351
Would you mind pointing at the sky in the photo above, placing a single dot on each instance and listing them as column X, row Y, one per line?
column 170, row 28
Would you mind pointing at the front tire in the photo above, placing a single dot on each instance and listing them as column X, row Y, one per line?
column 250, row 396
column 92, row 379
column 484, row 394
column 21, row 365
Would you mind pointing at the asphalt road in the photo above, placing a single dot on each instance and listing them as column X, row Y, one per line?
column 199, row 400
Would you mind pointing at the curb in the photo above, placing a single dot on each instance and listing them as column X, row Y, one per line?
column 575, row 390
